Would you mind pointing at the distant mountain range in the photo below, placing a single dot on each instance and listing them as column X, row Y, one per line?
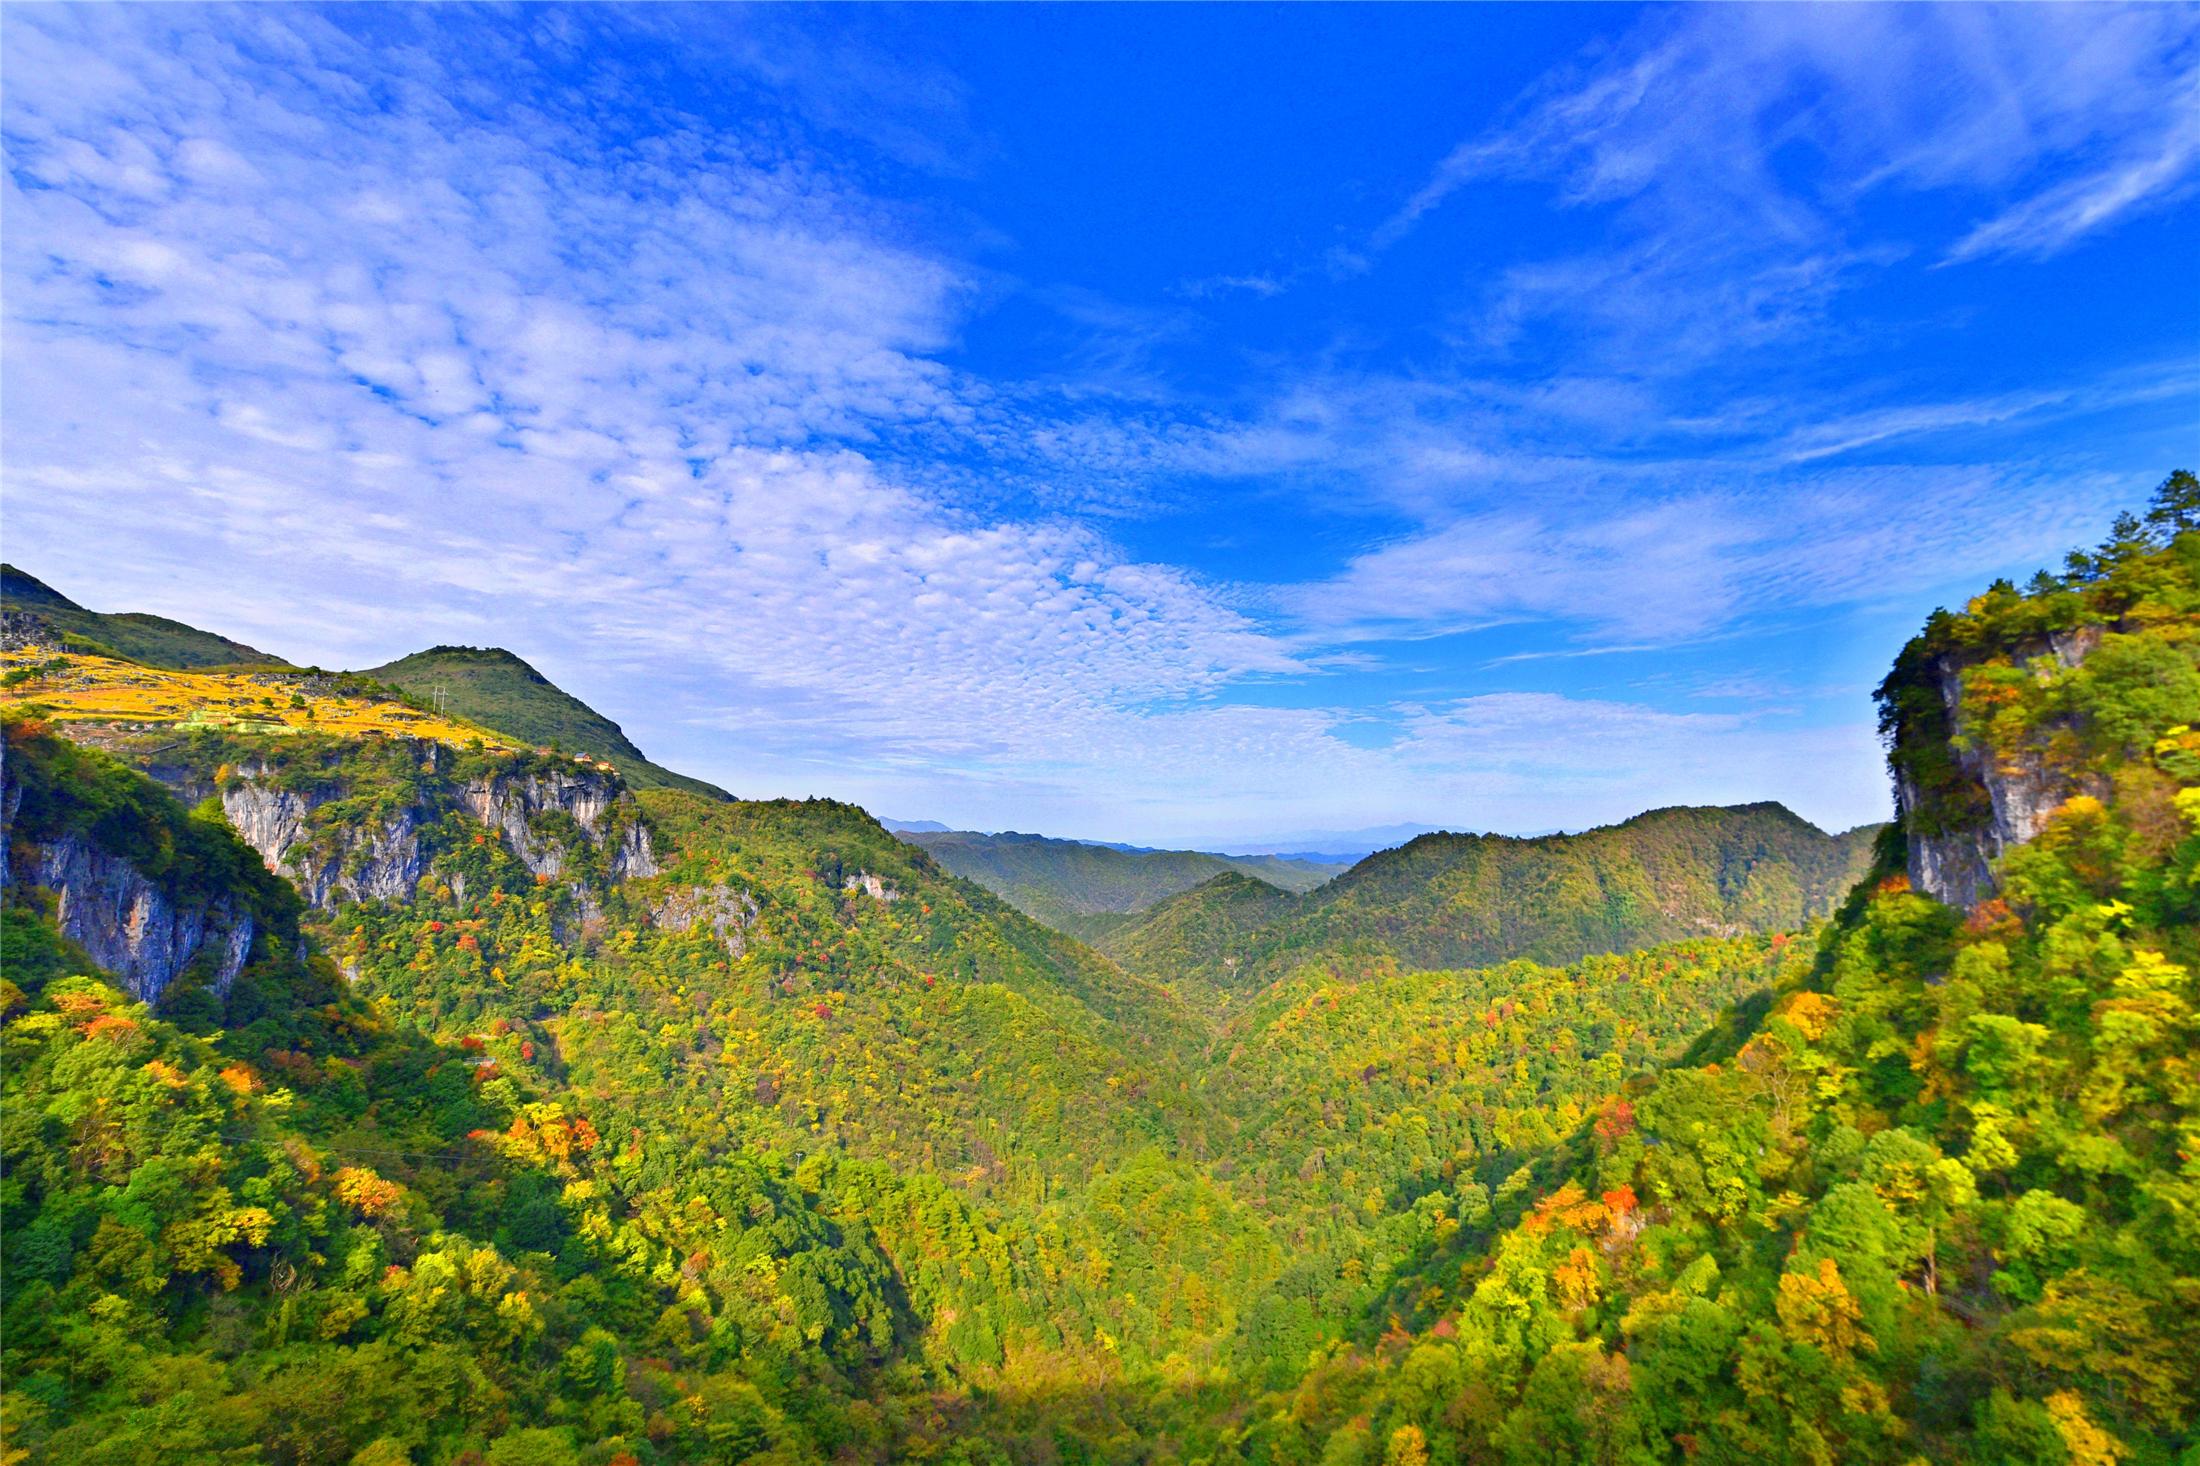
column 1315, row 847
column 1436, row 900
column 1444, row 901
column 1344, row 846
column 1087, row 888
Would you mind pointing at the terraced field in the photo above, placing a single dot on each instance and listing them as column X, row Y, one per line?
column 91, row 689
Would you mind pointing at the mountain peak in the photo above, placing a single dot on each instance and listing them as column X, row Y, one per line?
column 133, row 636
column 501, row 689
column 1446, row 901
column 23, row 591
column 485, row 656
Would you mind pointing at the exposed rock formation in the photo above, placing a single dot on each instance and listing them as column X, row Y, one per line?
column 11, row 799
column 21, row 631
column 516, row 806
column 730, row 913
column 133, row 928
column 877, row 889
column 1956, row 866
column 377, row 861
column 542, row 817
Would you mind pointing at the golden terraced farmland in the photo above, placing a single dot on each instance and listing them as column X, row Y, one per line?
column 88, row 689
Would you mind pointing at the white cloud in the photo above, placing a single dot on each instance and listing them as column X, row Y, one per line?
column 1690, row 110
column 1651, row 572
column 2153, row 170
column 1646, row 567
column 1835, row 435
column 1737, row 149
column 519, row 387
column 1263, row 286
column 313, row 338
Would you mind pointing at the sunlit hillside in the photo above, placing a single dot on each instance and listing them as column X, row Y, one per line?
column 71, row 687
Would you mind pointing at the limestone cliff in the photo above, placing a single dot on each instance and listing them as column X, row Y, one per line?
column 134, row 927
column 151, row 893
column 375, row 859
column 379, row 850
column 1983, row 800
column 532, row 810
column 728, row 912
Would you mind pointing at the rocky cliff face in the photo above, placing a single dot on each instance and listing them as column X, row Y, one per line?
column 11, row 800
column 528, row 810
column 729, row 914
column 375, row 861
column 544, row 818
column 870, row 885
column 134, row 928
column 1956, row 866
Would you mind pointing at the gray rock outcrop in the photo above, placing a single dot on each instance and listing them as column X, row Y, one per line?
column 2022, row 792
column 541, row 817
column 873, row 886
column 132, row 927
column 379, row 860
column 515, row 806
column 729, row 913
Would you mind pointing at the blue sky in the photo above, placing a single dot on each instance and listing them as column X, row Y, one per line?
column 1169, row 424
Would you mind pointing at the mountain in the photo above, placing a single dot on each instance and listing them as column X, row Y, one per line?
column 486, row 684
column 565, row 1080
column 379, row 1090
column 154, row 640
column 1443, row 901
column 1206, row 934
column 1078, row 886
column 492, row 686
column 1329, row 847
column 1931, row 1197
column 829, row 1099
column 920, row 827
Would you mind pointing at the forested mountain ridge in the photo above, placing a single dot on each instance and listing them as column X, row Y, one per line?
column 487, row 685
column 155, row 640
column 764, row 985
column 1467, row 900
column 1207, row 935
column 492, row 686
column 1936, row 1201
column 1082, row 888
column 783, row 1118
column 552, row 1120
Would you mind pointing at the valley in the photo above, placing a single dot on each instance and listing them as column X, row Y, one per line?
column 401, row 1067
column 1091, row 890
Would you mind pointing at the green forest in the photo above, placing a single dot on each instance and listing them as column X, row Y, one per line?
column 630, row 1124
column 1445, row 901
